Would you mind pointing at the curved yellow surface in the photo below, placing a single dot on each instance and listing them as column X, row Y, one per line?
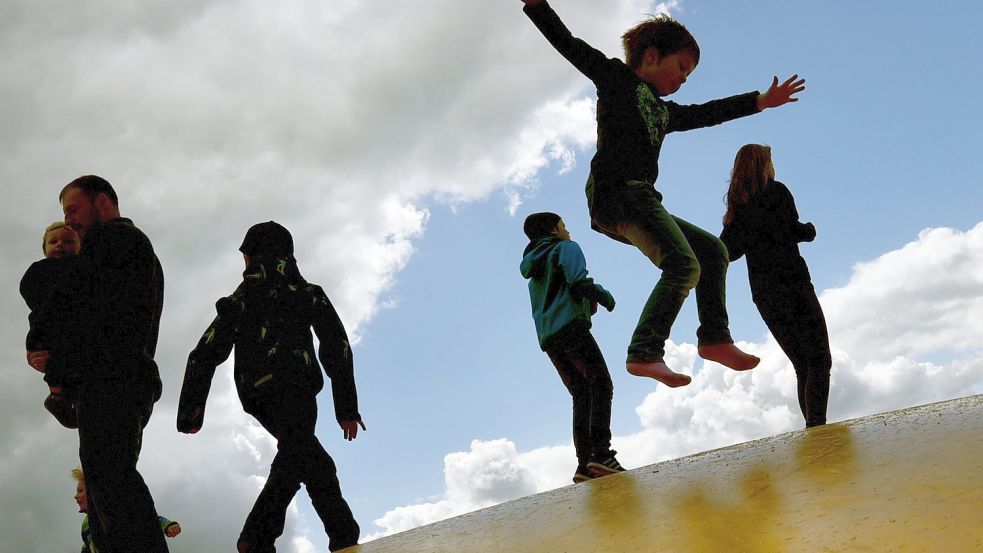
column 906, row 481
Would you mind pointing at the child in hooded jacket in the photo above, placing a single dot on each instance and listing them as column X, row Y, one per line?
column 563, row 299
column 268, row 320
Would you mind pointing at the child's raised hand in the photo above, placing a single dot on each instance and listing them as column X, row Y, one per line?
column 350, row 428
column 778, row 95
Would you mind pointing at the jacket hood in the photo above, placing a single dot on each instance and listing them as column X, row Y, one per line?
column 272, row 271
column 535, row 255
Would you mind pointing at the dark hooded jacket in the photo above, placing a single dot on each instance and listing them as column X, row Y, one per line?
column 268, row 319
column 54, row 290
column 560, row 291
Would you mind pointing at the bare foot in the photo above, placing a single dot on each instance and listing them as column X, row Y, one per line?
column 659, row 371
column 729, row 356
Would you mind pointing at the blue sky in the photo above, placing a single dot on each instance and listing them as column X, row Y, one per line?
column 405, row 168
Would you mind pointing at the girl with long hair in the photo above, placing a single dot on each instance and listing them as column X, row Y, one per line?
column 762, row 224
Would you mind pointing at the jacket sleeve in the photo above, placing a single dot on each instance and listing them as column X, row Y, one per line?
column 788, row 216
column 589, row 61
column 123, row 285
column 212, row 350
column 572, row 262
column 715, row 112
column 335, row 354
column 166, row 523
column 30, row 289
column 731, row 238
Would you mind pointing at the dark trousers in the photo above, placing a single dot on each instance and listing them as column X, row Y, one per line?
column 122, row 516
column 290, row 417
column 581, row 366
column 795, row 318
column 688, row 257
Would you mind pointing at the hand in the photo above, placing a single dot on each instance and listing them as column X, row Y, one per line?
column 38, row 360
column 190, row 424
column 811, row 231
column 779, row 95
column 608, row 301
column 173, row 530
column 350, row 428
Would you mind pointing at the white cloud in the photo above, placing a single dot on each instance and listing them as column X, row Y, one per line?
column 342, row 121
column 883, row 324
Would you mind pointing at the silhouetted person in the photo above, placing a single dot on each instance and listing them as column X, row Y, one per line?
column 268, row 319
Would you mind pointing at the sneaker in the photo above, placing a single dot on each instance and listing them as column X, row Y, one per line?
column 583, row 474
column 604, row 466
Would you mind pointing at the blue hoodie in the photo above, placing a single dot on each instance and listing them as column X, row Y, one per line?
column 559, row 289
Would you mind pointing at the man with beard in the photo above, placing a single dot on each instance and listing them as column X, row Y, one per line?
column 119, row 379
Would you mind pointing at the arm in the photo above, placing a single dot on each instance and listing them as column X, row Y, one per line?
column 714, row 112
column 171, row 528
column 335, row 354
column 212, row 350
column 731, row 238
column 589, row 61
column 778, row 95
column 122, row 288
column 572, row 262
column 789, row 217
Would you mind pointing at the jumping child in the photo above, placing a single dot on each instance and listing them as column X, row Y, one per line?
column 268, row 320
column 51, row 288
column 563, row 299
column 762, row 223
column 632, row 122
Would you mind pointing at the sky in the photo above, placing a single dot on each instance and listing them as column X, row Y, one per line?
column 403, row 143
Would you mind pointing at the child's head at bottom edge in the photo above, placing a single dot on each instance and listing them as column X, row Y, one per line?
column 80, row 496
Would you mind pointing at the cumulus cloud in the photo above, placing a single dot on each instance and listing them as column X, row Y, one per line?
column 905, row 330
column 344, row 121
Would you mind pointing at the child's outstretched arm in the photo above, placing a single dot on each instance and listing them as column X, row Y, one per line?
column 588, row 60
column 212, row 350
column 778, row 95
column 335, row 353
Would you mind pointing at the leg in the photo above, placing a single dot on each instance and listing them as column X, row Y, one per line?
column 713, row 336
column 325, row 491
column 796, row 320
column 111, row 421
column 266, row 519
column 291, row 418
column 577, row 386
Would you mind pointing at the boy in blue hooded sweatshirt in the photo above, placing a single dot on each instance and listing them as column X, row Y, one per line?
column 563, row 300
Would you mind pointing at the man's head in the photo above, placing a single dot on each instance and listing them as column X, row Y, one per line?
column 269, row 239
column 88, row 201
column 662, row 52
column 60, row 240
column 541, row 225
column 81, row 497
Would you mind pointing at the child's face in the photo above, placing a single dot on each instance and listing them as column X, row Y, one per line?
column 666, row 73
column 81, row 498
column 561, row 231
column 61, row 242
